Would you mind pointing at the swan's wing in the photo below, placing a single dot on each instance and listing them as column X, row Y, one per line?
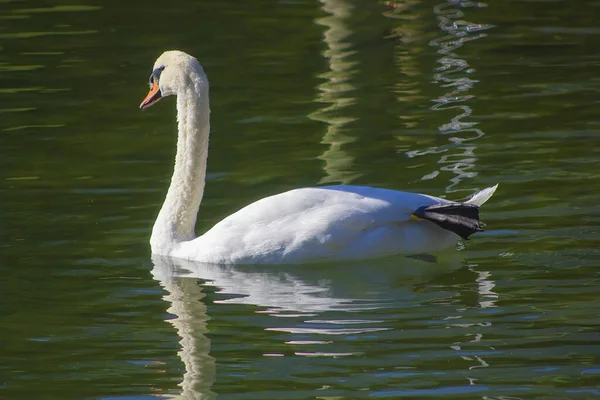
column 319, row 224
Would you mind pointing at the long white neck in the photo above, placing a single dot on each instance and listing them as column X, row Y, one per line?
column 177, row 217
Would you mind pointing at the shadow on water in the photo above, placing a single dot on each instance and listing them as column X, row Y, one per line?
column 319, row 311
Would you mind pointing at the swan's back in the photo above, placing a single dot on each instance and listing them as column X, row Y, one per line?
column 321, row 224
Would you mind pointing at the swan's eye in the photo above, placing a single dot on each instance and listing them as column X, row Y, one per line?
column 155, row 75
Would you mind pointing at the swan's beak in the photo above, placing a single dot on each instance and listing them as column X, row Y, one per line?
column 153, row 96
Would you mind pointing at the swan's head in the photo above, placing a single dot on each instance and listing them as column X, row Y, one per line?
column 174, row 71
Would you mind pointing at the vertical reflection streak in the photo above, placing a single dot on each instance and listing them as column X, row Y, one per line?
column 409, row 34
column 335, row 92
column 454, row 75
column 184, row 296
column 486, row 299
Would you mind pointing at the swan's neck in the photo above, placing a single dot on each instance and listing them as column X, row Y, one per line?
column 177, row 217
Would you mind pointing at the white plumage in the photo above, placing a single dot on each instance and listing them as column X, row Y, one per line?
column 333, row 223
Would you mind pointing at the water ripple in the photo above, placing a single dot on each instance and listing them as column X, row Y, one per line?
column 455, row 73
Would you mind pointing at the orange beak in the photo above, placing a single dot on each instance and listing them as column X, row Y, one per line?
column 153, row 96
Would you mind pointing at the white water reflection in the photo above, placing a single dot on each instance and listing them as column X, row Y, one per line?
column 469, row 349
column 304, row 290
column 185, row 303
column 326, row 311
column 312, row 303
column 456, row 77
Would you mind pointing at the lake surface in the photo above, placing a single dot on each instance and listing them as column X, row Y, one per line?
column 436, row 97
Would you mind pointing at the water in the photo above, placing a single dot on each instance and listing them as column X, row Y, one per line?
column 436, row 97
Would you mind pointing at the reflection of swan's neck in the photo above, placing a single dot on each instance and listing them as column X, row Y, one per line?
column 185, row 297
column 177, row 217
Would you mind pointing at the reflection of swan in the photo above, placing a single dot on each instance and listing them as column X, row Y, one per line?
column 314, row 308
column 336, row 92
column 302, row 225
column 275, row 291
column 184, row 295
column 306, row 290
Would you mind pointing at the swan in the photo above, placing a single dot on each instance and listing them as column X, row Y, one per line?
column 307, row 225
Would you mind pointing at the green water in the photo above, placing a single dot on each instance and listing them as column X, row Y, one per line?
column 436, row 97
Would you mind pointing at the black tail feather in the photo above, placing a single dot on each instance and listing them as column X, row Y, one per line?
column 460, row 218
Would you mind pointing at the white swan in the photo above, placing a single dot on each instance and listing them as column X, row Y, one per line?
column 332, row 223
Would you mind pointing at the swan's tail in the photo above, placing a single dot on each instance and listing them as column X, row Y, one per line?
column 460, row 218
column 482, row 196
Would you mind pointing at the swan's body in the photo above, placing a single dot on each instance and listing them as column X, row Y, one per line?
column 332, row 223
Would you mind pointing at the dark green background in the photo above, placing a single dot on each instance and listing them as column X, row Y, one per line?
column 435, row 97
